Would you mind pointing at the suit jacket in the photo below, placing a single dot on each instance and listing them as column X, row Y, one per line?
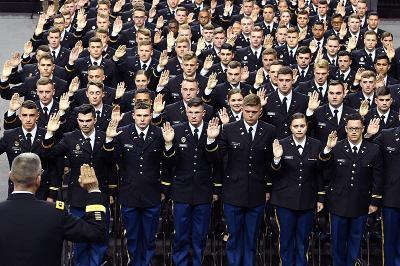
column 174, row 67
column 246, row 164
column 30, row 70
column 360, row 59
column 78, row 151
column 391, row 122
column 297, row 182
column 322, row 123
column 81, row 98
column 101, row 123
column 242, row 42
column 175, row 113
column 107, row 54
column 284, row 56
column 267, row 30
column 388, row 140
column 139, row 166
column 274, row 114
column 192, row 178
column 130, row 65
column 249, row 59
column 44, row 226
column 172, row 91
column 354, row 100
column 349, row 80
column 309, row 75
column 310, row 86
column 355, row 181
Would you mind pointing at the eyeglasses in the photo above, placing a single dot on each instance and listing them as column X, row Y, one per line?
column 356, row 129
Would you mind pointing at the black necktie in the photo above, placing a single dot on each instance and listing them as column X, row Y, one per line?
column 369, row 102
column 335, row 116
column 251, row 134
column 300, row 149
column 333, row 62
column 29, row 140
column 383, row 119
column 355, row 150
column 342, row 77
column 46, row 114
column 320, row 89
column 237, row 118
column 173, row 13
column 319, row 44
column 90, row 144
column 268, row 29
column 291, row 53
column 248, row 40
column 209, row 46
column 303, row 73
column 141, row 136
column 284, row 105
column 196, row 135
column 144, row 66
column 98, row 114
column 370, row 56
column 95, row 63
column 256, row 54
column 54, row 54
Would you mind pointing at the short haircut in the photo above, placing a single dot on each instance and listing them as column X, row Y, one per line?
column 181, row 39
column 382, row 91
column 386, row 34
column 233, row 92
column 370, row 32
column 270, row 51
column 277, row 63
column 285, row 70
column 95, row 39
column 323, row 2
column 46, row 57
column 344, row 53
column 144, row 31
column 86, row 109
column 54, row 30
column 355, row 16
column 218, row 30
column 181, row 8
column 97, row 84
column 251, row 100
column 368, row 74
column 258, row 29
column 45, row 81
column 303, row 50
column 303, row 12
column 101, row 31
column 297, row 116
column 43, row 48
column 382, row 57
column 189, row 55
column 142, row 91
column 210, row 27
column 227, row 46
column 318, row 23
column 59, row 16
column 337, row 15
column 355, row 116
column 195, row 102
column 145, row 43
column 25, row 168
column 336, row 83
column 234, row 64
column 94, row 67
column 28, row 104
column 142, row 105
column 321, row 63
column 372, row 13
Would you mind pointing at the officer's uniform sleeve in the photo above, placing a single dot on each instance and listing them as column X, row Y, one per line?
column 89, row 228
column 377, row 182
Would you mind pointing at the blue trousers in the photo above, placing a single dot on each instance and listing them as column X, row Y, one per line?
column 391, row 230
column 243, row 228
column 89, row 254
column 190, row 221
column 294, row 230
column 346, row 239
column 141, row 228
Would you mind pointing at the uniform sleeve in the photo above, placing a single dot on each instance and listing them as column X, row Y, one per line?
column 89, row 228
column 377, row 181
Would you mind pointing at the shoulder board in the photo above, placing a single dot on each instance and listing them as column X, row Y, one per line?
column 60, row 205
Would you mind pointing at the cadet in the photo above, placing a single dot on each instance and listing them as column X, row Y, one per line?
column 193, row 185
column 297, row 185
column 248, row 146
column 355, row 188
column 34, row 231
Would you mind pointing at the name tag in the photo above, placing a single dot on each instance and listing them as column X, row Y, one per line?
column 183, row 145
column 312, row 159
column 390, row 149
column 288, row 157
column 128, row 146
column 270, row 113
column 341, row 161
column 235, row 144
column 77, row 151
column 321, row 124
column 175, row 95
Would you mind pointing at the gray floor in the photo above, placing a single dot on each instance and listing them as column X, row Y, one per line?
column 16, row 29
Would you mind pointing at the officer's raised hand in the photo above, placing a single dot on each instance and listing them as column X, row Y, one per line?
column 111, row 131
column 54, row 123
column 213, row 129
column 168, row 134
column 277, row 150
column 373, row 127
column 331, row 142
column 87, row 179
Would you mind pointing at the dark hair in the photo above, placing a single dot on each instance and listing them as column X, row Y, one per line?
column 335, row 82
column 297, row 116
column 43, row 48
column 382, row 56
column 195, row 102
column 227, row 46
column 28, row 104
column 344, row 53
column 303, row 50
column 382, row 91
column 318, row 23
column 355, row 116
column 142, row 105
column 252, row 100
column 44, row 81
column 86, row 109
column 285, row 70
column 97, row 84
column 372, row 13
column 337, row 15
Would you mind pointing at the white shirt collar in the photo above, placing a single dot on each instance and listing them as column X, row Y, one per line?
column 340, row 110
column 369, row 97
column 302, row 143
column 92, row 137
column 324, row 87
column 305, row 70
column 288, row 97
column 258, row 50
column 239, row 115
column 345, row 74
column 373, row 53
column 138, row 130
column 57, row 50
column 48, row 106
column 381, row 114
column 33, row 132
column 352, row 145
column 253, row 126
column 200, row 128
column 100, row 108
column 94, row 60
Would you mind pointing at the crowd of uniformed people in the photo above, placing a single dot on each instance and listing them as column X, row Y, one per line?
column 248, row 114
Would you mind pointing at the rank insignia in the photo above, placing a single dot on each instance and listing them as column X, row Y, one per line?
column 361, row 58
column 16, row 143
column 77, row 147
column 183, row 139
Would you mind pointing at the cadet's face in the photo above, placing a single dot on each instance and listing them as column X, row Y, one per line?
column 354, row 130
column 335, row 95
column 139, row 18
column 251, row 114
column 368, row 85
column 28, row 118
column 103, row 37
column 189, row 90
column 246, row 25
column 226, row 56
column 322, row 9
column 67, row 20
column 285, row 83
column 320, row 75
column 141, row 81
column 354, row 24
column 383, row 103
column 189, row 67
column 236, row 102
column 46, row 68
column 382, row 66
column 181, row 16
column 145, row 52
column 86, row 122
column 95, row 49
column 332, row 47
column 292, row 39
column 370, row 42
column 208, row 35
column 302, row 20
column 373, row 22
column 361, row 9
column 142, row 118
column 281, row 34
column 204, row 18
column 273, row 73
column 303, row 60
column 195, row 115
column 337, row 23
column 256, row 38
column 96, row 76
column 285, row 18
column 268, row 14
column 247, row 8
column 344, row 63
column 59, row 23
column 318, row 31
column 45, row 93
column 267, row 61
column 54, row 39
column 219, row 39
column 95, row 95
column 233, row 75
column 181, row 49
column 102, row 23
column 299, row 128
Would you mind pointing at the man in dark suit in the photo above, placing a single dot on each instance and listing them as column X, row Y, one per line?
column 319, row 83
column 28, row 138
column 80, row 67
column 283, row 103
column 366, row 57
column 303, row 65
column 322, row 14
column 330, row 116
column 367, row 84
column 248, row 146
column 355, row 188
column 193, row 186
column 344, row 73
column 287, row 53
column 268, row 25
column 318, row 31
column 28, row 87
column 354, row 31
column 388, row 117
column 215, row 94
column 297, row 190
column 84, row 146
column 31, row 222
column 175, row 113
column 381, row 67
column 182, row 46
column 139, row 152
column 373, row 23
column 246, row 26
